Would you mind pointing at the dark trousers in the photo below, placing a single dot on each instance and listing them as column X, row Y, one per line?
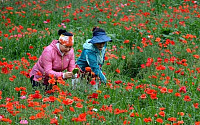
column 36, row 84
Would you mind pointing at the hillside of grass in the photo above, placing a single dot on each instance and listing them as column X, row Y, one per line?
column 152, row 64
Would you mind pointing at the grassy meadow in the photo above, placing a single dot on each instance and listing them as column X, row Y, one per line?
column 152, row 64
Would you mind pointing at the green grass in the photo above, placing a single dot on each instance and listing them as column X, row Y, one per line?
column 176, row 23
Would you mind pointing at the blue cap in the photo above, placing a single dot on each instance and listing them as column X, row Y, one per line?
column 99, row 37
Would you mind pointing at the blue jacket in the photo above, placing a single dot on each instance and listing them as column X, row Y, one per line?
column 93, row 58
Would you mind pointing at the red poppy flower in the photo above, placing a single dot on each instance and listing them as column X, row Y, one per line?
column 6, row 120
column 163, row 90
column 196, row 56
column 23, row 93
column 182, row 89
column 79, row 105
column 177, row 94
column 52, row 81
column 162, row 113
column 17, row 89
column 94, row 95
column 154, row 96
column 196, row 105
column 71, row 109
column 56, row 111
column 147, row 119
column 31, row 47
column 54, row 121
column 117, row 70
column 159, row 120
column 172, row 119
column 80, row 118
column 5, row 35
column 126, row 41
column 9, row 8
column 92, row 82
column 88, row 69
column 118, row 81
column 143, row 66
column 106, row 96
column 187, row 98
column 143, row 96
column 79, row 50
column 52, row 98
column 32, row 117
column 132, row 114
column 68, row 101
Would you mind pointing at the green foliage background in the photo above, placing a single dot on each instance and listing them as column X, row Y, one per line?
column 159, row 18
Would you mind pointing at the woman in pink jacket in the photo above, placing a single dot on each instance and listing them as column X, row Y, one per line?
column 55, row 58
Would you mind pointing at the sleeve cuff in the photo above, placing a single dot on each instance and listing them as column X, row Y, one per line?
column 63, row 75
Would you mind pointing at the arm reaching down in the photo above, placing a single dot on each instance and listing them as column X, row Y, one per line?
column 91, row 59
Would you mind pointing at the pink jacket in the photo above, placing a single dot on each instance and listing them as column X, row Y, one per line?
column 52, row 62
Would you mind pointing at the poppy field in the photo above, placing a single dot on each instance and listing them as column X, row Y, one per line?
column 152, row 65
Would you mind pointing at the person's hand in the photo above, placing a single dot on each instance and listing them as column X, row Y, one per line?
column 68, row 75
column 104, row 80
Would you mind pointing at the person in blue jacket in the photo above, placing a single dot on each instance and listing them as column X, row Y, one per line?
column 93, row 53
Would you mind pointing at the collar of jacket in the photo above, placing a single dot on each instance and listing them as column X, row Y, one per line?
column 53, row 44
column 92, row 47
